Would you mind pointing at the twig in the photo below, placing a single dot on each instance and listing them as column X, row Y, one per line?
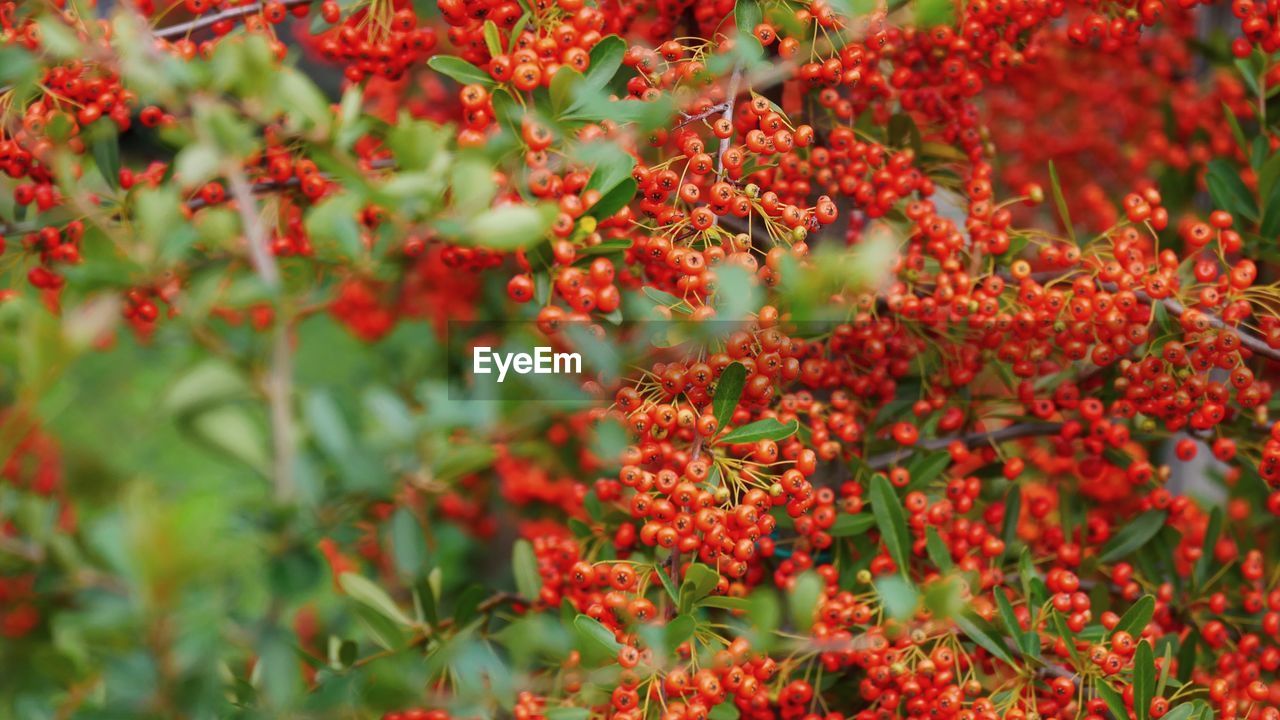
column 27, row 551
column 734, row 81
column 184, row 28
column 260, row 255
column 686, row 118
column 1254, row 343
column 279, row 383
column 1012, row 432
column 262, row 187
column 485, row 606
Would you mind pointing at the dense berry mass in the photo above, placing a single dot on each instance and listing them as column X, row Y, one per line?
column 930, row 357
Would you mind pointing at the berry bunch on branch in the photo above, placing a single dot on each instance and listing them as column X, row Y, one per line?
column 929, row 356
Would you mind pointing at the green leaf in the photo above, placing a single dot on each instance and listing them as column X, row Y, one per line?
column 408, row 545
column 1114, row 701
column 424, row 596
column 939, row 555
column 206, row 384
column 1061, row 201
column 1012, row 510
column 725, row 602
column 935, row 12
column 1236, row 132
column 304, row 106
column 678, row 631
column 492, row 40
column 728, row 392
column 618, row 197
column 1165, row 666
column 699, row 581
column 724, row 711
column 524, row 565
column 1010, row 620
column 1228, row 190
column 975, row 628
column 925, row 468
column 1268, row 176
column 58, row 39
column 1271, row 214
column 1187, row 655
column 467, row 605
column 1144, row 680
column 747, row 15
column 606, row 58
column 1068, row 637
column 590, row 95
column 1181, row 712
column 1026, row 572
column 327, row 425
column 196, row 163
column 471, row 184
column 460, row 70
column 373, row 597
column 891, row 520
column 106, row 152
column 230, row 429
column 667, row 583
column 767, row 429
column 17, row 66
column 563, row 84
column 342, row 653
column 661, row 297
column 608, row 247
column 1133, row 536
column 568, row 713
column 898, row 597
column 518, row 29
column 847, row 525
column 1137, row 616
column 1258, row 152
column 509, row 227
column 595, row 641
column 1248, row 74
column 803, row 600
column 461, row 460
column 279, row 667
column 904, row 131
column 333, row 222
column 860, row 468
column 737, row 293
column 418, row 144
column 611, row 164
column 158, row 212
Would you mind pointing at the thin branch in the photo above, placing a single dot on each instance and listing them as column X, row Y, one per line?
column 1254, row 343
column 280, row 391
column 183, row 29
column 686, row 118
column 279, row 382
column 732, row 94
column 971, row 440
column 261, row 187
column 260, row 255
column 27, row 551
column 487, row 605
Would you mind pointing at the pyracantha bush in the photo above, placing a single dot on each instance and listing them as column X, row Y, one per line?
column 967, row 316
